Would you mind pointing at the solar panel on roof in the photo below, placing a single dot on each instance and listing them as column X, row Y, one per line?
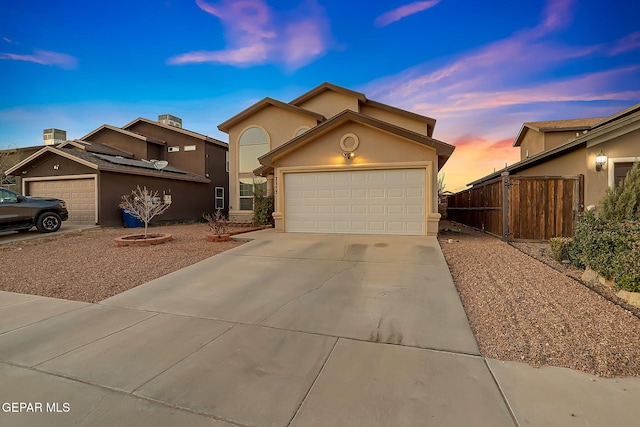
column 135, row 163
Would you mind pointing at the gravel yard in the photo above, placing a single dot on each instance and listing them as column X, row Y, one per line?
column 86, row 266
column 521, row 309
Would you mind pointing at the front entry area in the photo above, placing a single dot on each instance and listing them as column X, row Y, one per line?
column 379, row 201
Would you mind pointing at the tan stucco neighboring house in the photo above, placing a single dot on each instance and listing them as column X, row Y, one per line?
column 336, row 162
column 562, row 148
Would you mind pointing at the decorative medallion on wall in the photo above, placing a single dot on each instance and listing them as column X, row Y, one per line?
column 349, row 142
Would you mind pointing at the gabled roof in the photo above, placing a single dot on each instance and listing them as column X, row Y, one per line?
column 556, row 126
column 363, row 100
column 431, row 123
column 176, row 129
column 601, row 132
column 264, row 103
column 88, row 136
column 325, row 87
column 443, row 150
column 109, row 163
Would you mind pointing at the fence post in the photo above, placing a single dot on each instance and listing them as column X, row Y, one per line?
column 505, row 205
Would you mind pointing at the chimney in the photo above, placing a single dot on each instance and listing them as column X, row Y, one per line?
column 54, row 136
column 168, row 119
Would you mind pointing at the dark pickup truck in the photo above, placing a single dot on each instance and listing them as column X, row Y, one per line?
column 21, row 213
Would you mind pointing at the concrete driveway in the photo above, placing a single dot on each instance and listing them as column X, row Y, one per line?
column 289, row 329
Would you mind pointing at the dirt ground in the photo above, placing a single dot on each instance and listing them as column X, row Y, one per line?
column 87, row 266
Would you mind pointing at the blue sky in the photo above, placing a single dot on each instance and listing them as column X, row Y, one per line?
column 480, row 69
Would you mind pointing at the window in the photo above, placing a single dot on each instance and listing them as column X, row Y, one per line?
column 620, row 171
column 248, row 188
column 7, row 196
column 226, row 160
column 253, row 143
column 219, row 198
column 189, row 148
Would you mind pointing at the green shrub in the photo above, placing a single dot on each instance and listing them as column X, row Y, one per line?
column 623, row 201
column 262, row 210
column 560, row 248
column 612, row 248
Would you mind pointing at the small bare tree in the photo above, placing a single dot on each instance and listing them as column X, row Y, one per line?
column 144, row 204
column 218, row 224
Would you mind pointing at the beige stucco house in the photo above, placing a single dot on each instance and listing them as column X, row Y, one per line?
column 601, row 150
column 336, row 162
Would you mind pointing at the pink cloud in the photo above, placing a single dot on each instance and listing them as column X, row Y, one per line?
column 256, row 34
column 404, row 11
column 44, row 57
column 626, row 44
column 557, row 15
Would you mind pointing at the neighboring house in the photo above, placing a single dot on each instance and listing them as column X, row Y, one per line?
column 10, row 157
column 572, row 147
column 92, row 173
column 336, row 162
column 565, row 166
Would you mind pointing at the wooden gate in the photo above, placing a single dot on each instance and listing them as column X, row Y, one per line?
column 543, row 207
column 521, row 207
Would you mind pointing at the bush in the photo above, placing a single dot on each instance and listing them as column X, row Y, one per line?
column 623, row 201
column 612, row 248
column 560, row 248
column 263, row 207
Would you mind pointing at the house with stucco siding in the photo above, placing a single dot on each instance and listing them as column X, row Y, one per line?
column 336, row 162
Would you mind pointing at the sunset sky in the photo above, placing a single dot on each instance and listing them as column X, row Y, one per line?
column 480, row 69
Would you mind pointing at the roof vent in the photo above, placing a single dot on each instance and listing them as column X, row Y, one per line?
column 168, row 119
column 54, row 136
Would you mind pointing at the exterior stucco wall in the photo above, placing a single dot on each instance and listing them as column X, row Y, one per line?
column 280, row 125
column 44, row 167
column 414, row 125
column 330, row 103
column 122, row 142
column 192, row 161
column 189, row 199
column 623, row 147
column 533, row 142
column 555, row 139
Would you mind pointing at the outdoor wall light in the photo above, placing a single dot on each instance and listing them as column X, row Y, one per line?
column 348, row 155
column 56, row 167
column 601, row 160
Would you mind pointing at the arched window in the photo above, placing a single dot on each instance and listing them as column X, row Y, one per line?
column 253, row 143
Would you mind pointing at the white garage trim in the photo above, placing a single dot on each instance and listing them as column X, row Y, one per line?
column 94, row 177
column 361, row 224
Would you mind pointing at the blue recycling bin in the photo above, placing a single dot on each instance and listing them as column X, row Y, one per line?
column 131, row 221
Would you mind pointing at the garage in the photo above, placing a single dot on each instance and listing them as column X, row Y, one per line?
column 79, row 194
column 382, row 201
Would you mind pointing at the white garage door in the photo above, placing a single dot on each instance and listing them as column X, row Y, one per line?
column 79, row 194
column 360, row 202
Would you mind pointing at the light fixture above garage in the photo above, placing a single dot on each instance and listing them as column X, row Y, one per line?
column 348, row 155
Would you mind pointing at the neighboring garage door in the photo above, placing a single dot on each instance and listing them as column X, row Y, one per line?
column 359, row 202
column 79, row 194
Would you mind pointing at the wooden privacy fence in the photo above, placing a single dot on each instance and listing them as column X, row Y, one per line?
column 521, row 207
